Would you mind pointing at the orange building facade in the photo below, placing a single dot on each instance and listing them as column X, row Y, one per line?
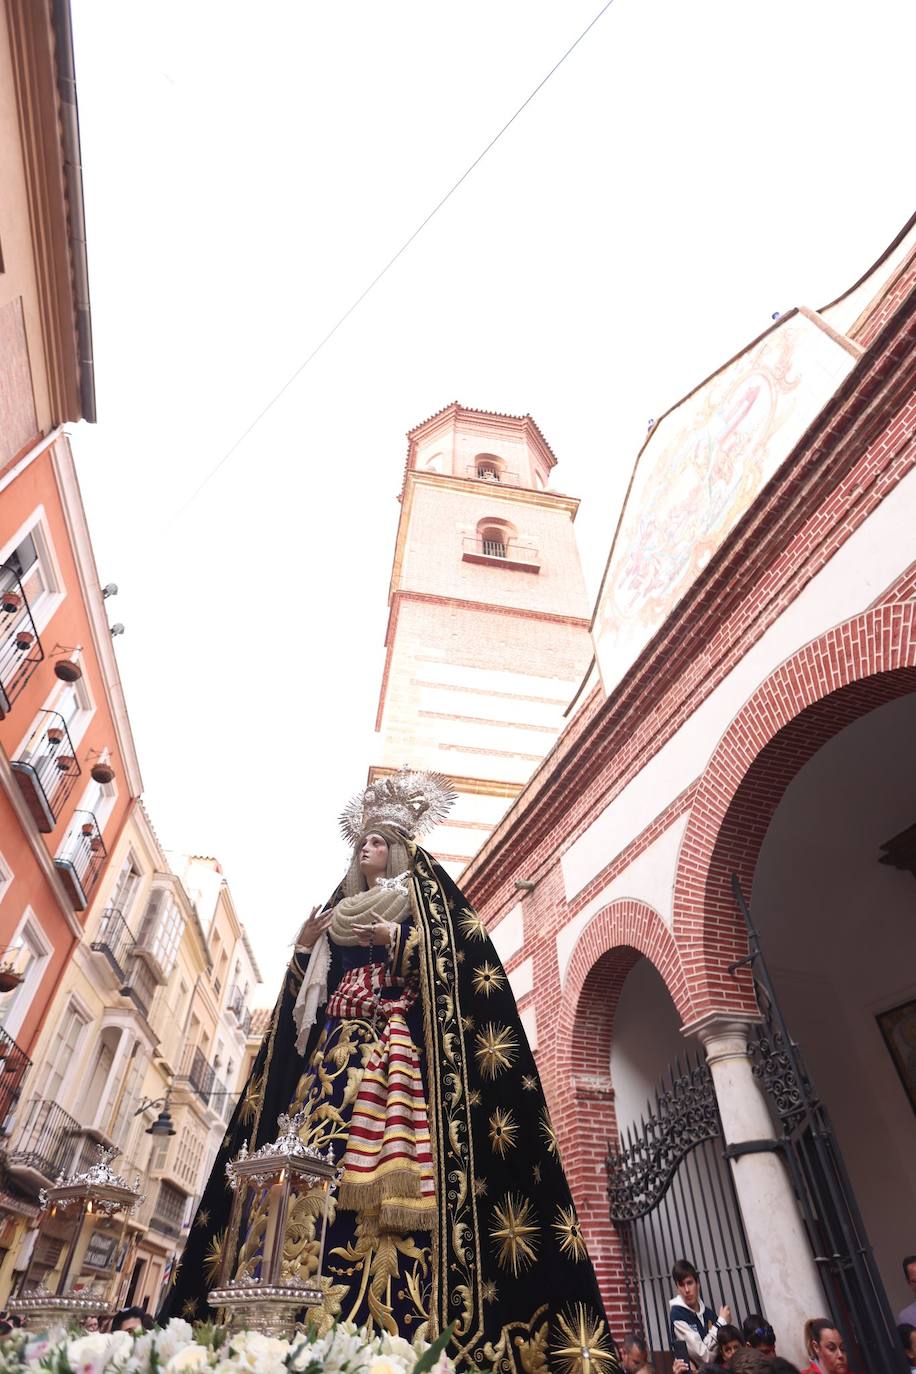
column 68, row 769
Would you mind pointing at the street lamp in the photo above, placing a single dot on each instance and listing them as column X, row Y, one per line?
column 163, row 1125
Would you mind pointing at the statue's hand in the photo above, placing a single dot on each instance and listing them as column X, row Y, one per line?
column 315, row 924
column 378, row 933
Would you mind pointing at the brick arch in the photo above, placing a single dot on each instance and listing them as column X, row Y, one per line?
column 583, row 1112
column 831, row 682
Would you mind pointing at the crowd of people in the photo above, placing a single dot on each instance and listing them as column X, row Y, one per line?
column 704, row 1341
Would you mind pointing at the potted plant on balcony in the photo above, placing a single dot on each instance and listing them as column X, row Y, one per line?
column 24, row 640
column 65, row 762
column 101, row 772
column 12, row 601
column 87, row 828
column 10, row 977
column 95, row 844
column 54, row 735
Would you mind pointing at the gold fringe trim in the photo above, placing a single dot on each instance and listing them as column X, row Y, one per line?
column 370, row 1196
column 398, row 1218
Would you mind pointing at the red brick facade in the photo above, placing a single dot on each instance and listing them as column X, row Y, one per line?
column 856, row 454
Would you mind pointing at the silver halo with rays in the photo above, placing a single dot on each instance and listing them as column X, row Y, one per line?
column 413, row 802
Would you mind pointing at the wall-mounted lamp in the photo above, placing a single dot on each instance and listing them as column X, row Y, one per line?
column 117, row 629
column 110, row 589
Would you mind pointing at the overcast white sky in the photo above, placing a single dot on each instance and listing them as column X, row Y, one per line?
column 690, row 169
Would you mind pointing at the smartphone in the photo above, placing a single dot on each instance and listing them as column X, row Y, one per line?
column 679, row 1350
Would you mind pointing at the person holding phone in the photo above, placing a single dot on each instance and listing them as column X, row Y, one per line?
column 694, row 1327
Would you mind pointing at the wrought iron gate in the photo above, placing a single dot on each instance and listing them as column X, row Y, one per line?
column 853, row 1291
column 671, row 1195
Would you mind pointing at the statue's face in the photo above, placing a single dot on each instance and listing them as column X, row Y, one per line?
column 373, row 858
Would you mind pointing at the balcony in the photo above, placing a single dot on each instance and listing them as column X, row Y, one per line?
column 48, row 1140
column 46, row 769
column 202, row 1079
column 168, row 1211
column 486, row 474
column 521, row 557
column 81, row 858
column 140, row 983
column 20, row 647
column 14, row 1065
column 114, row 940
column 235, row 1003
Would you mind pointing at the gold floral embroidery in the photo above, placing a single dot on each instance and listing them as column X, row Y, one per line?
column 514, row 1230
column 487, row 979
column 496, row 1049
column 503, row 1131
column 581, row 1344
column 569, row 1234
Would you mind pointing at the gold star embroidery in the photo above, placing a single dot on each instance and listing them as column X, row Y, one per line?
column 472, row 927
column 176, row 1270
column 488, row 1291
column 252, row 1099
column 189, row 1309
column 549, row 1134
column 474, row 1098
column 488, row 979
column 480, row 1187
column 515, row 1230
column 529, row 1083
column 459, row 957
column 568, row 1233
column 581, row 1345
column 503, row 1131
column 496, row 1049
column 536, row 1172
column 203, row 1218
column 467, row 1023
column 214, row 1257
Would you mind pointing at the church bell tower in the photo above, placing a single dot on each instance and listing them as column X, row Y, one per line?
column 488, row 628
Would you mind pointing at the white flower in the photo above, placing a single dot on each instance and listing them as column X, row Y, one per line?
column 400, row 1348
column 120, row 1349
column 387, row 1364
column 189, row 1357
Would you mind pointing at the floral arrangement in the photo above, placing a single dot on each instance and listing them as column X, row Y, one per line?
column 179, row 1348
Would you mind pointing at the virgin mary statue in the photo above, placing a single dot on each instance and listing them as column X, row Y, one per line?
column 397, row 1037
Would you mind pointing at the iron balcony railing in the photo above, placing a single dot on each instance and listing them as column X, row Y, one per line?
column 14, row 1065
column 236, row 1004
column 46, row 768
column 20, row 646
column 114, row 940
column 481, row 473
column 168, row 1212
column 81, row 858
column 508, row 551
column 48, row 1140
column 202, row 1079
column 140, row 983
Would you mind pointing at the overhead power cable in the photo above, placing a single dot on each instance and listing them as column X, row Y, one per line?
column 384, row 270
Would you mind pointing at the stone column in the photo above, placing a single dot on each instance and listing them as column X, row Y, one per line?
column 787, row 1278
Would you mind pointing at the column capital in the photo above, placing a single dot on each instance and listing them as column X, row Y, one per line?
column 716, row 1026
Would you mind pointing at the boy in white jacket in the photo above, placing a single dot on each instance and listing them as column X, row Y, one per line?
column 690, row 1320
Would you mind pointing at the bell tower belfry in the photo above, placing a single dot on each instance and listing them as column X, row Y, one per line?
column 488, row 629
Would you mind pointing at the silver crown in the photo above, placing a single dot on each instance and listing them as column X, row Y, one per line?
column 411, row 802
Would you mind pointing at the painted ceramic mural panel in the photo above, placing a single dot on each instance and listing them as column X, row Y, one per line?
column 699, row 471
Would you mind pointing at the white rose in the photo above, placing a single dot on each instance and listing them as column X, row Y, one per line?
column 87, row 1348
column 191, row 1357
column 400, row 1348
column 387, row 1364
column 120, row 1348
